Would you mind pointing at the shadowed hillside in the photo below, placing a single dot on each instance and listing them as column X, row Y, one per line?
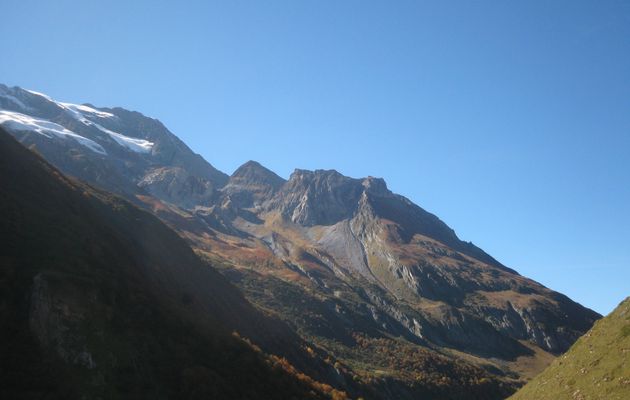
column 99, row 299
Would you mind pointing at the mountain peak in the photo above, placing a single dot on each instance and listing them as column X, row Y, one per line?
column 252, row 172
column 118, row 147
column 320, row 197
column 252, row 184
column 376, row 186
column 251, row 164
column 318, row 174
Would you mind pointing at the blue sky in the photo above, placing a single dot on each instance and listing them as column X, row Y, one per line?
column 509, row 120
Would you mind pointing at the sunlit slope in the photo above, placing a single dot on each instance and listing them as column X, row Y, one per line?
column 596, row 367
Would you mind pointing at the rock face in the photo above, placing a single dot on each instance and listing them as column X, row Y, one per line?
column 54, row 316
column 318, row 198
column 349, row 264
column 178, row 186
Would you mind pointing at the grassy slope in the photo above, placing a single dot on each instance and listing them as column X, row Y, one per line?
column 596, row 367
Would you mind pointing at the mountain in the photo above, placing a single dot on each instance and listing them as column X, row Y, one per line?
column 387, row 288
column 250, row 185
column 87, row 143
column 99, row 299
column 596, row 367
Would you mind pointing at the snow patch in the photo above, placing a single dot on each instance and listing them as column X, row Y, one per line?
column 80, row 108
column 133, row 144
column 17, row 121
column 47, row 97
column 85, row 114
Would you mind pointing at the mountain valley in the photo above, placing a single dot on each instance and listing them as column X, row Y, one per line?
column 356, row 286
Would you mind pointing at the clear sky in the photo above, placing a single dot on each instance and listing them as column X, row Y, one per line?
column 510, row 120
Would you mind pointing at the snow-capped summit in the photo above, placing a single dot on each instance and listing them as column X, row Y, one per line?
column 30, row 102
column 102, row 145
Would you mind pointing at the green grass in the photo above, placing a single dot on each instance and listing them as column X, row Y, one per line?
column 596, row 367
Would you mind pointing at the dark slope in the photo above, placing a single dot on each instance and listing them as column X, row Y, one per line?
column 99, row 299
